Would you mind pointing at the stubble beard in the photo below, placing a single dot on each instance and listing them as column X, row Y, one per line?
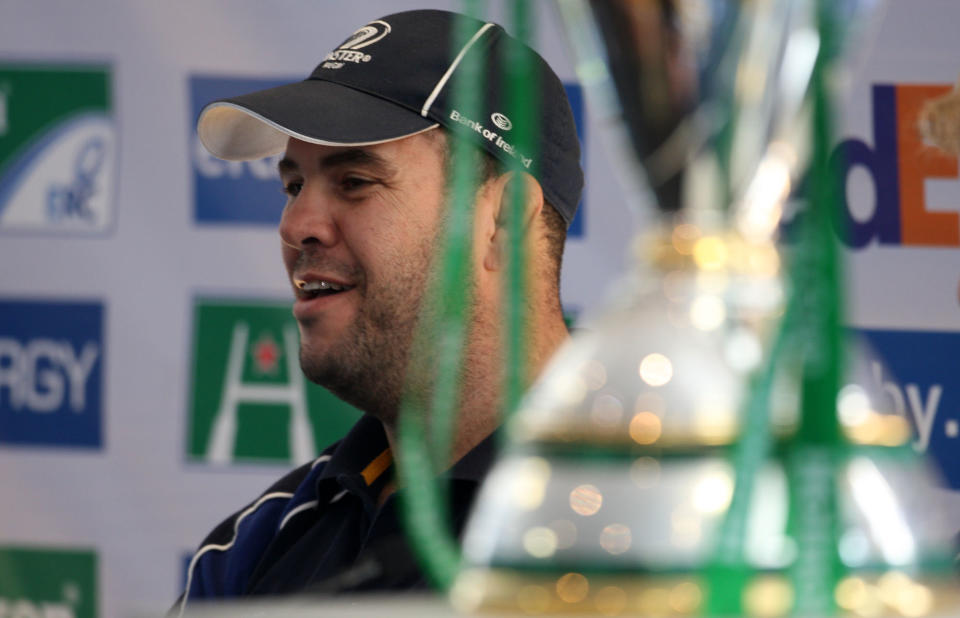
column 372, row 368
column 369, row 365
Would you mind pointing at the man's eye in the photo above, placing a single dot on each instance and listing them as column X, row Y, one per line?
column 292, row 188
column 352, row 183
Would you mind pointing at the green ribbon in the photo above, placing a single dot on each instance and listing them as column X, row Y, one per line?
column 812, row 333
column 426, row 428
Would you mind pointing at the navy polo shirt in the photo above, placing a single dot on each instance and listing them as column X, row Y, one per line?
column 327, row 527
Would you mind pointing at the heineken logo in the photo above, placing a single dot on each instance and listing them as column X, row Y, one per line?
column 48, row 583
column 58, row 146
column 249, row 401
column 266, row 355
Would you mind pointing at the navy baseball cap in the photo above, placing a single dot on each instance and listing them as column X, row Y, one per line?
column 392, row 79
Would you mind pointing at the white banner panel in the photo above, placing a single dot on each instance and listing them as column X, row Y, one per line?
column 143, row 299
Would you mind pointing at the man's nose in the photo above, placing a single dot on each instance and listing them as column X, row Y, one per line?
column 308, row 220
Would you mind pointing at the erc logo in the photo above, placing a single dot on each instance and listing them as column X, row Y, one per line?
column 249, row 400
column 901, row 168
column 58, row 145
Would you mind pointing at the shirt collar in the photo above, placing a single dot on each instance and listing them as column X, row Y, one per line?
column 475, row 464
column 359, row 448
column 362, row 449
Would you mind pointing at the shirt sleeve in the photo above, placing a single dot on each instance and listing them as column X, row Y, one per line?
column 222, row 565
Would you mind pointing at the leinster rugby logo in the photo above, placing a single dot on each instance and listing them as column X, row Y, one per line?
column 501, row 121
column 349, row 52
column 369, row 34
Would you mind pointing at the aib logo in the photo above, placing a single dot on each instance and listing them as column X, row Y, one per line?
column 900, row 163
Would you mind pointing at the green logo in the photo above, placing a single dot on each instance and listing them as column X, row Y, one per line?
column 58, row 147
column 48, row 583
column 249, row 400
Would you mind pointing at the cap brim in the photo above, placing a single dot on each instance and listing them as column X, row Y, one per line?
column 258, row 124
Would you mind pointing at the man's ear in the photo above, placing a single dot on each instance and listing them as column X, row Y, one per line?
column 505, row 191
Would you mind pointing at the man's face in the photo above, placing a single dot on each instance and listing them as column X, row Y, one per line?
column 358, row 232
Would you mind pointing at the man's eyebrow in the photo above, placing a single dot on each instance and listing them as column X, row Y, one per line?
column 354, row 156
column 287, row 165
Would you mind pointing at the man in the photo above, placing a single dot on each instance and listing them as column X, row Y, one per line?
column 368, row 144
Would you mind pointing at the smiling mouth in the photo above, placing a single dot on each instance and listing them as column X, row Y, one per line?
column 308, row 290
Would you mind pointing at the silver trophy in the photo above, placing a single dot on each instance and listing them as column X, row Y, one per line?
column 668, row 462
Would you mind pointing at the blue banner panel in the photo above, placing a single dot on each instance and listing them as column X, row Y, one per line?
column 575, row 96
column 232, row 192
column 921, row 380
column 51, row 373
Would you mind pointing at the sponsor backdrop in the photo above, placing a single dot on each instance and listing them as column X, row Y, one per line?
column 148, row 382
